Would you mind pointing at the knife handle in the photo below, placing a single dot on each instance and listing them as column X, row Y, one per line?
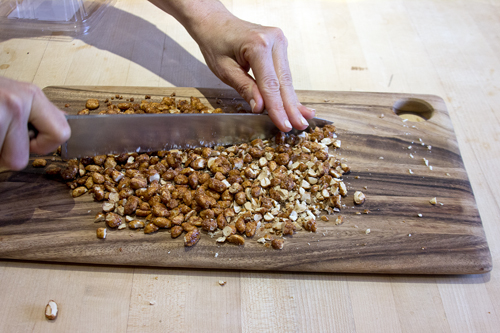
column 32, row 131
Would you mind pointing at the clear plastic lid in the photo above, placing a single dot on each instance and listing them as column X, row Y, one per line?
column 51, row 17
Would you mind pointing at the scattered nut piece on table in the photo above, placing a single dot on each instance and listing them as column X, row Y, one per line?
column 101, row 233
column 51, row 310
column 359, row 197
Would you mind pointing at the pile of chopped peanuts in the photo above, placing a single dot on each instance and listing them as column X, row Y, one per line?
column 264, row 189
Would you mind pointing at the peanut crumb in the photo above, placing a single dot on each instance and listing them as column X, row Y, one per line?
column 222, row 283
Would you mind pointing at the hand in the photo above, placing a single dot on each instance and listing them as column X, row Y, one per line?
column 22, row 103
column 233, row 48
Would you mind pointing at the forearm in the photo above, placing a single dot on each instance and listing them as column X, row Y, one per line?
column 195, row 15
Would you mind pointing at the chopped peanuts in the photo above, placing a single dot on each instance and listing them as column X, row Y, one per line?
column 282, row 185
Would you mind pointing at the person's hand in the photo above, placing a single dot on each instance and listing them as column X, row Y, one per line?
column 22, row 103
column 232, row 47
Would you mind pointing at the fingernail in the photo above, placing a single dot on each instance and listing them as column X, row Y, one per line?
column 252, row 105
column 288, row 126
column 313, row 111
column 304, row 122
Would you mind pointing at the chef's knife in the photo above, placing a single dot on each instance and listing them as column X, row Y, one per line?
column 115, row 134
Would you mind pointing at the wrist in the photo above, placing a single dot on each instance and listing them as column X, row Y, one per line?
column 197, row 16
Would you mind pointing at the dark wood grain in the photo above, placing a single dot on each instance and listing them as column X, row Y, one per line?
column 41, row 221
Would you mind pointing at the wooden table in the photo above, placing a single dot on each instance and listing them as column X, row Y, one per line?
column 435, row 47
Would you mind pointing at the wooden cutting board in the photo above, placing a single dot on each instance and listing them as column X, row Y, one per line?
column 41, row 221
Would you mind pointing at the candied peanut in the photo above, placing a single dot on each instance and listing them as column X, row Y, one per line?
column 221, row 221
column 181, row 179
column 229, row 230
column 220, row 176
column 288, row 228
column 195, row 220
column 216, row 185
column 310, row 225
column 188, row 226
column 206, row 152
column 113, row 220
column 256, row 153
column 207, row 214
column 39, row 163
column 177, row 220
column 250, row 229
column 51, row 310
column 240, row 225
column 240, row 198
column 203, row 200
column 250, row 173
column 159, row 209
column 162, row 222
column 277, row 243
column 282, row 159
column 150, row 228
column 99, row 217
column 92, row 104
column 79, row 191
column 280, row 138
column 70, row 171
column 235, row 188
column 99, row 159
column 198, row 164
column 256, row 191
column 101, row 233
column 321, row 155
column 131, row 205
column 138, row 182
column 142, row 212
column 136, row 224
column 192, row 237
column 236, row 239
column 359, row 197
column 209, row 225
column 176, row 231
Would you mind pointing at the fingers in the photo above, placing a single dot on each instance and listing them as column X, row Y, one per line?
column 14, row 141
column 15, row 150
column 272, row 73
column 53, row 129
column 296, row 112
column 261, row 61
column 22, row 103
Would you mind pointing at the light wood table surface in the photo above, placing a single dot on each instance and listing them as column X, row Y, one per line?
column 446, row 48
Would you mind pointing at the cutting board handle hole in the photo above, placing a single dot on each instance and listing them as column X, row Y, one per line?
column 413, row 109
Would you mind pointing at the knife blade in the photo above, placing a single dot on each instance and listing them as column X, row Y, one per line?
column 115, row 134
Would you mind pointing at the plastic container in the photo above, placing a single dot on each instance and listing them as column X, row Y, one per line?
column 51, row 17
